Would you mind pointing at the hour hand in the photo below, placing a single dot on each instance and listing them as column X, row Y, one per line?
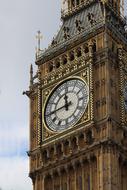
column 66, row 102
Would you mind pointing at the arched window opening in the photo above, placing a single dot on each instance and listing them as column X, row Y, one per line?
column 52, row 154
column 45, row 157
column 64, row 60
column 113, row 47
column 57, row 63
column 79, row 53
column 59, row 151
column 89, row 138
column 72, row 56
column 74, row 144
column 50, row 67
column 86, row 48
column 81, row 140
column 66, row 148
column 94, row 46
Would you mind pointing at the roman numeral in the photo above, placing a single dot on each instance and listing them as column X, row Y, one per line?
column 79, row 108
column 59, row 123
column 54, row 119
column 81, row 98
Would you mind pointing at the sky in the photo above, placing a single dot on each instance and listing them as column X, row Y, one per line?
column 19, row 22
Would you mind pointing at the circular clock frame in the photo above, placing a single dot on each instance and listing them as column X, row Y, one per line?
column 66, row 104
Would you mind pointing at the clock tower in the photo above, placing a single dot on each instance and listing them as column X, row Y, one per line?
column 78, row 101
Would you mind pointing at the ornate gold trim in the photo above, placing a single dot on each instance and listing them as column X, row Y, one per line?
column 43, row 110
column 82, row 75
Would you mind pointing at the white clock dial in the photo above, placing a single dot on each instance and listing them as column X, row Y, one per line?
column 66, row 104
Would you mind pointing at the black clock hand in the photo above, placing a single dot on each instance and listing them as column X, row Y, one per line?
column 69, row 103
column 66, row 102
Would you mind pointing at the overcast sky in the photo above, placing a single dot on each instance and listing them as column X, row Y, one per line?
column 19, row 22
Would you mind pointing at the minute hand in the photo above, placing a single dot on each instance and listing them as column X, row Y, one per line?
column 69, row 103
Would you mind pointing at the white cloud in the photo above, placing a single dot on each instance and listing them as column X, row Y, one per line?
column 13, row 159
column 13, row 140
column 14, row 174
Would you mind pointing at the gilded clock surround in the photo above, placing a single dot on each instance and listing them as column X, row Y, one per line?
column 83, row 75
column 48, row 97
column 91, row 45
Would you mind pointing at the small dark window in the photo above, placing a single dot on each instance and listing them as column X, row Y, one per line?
column 50, row 67
column 45, row 157
column 89, row 137
column 113, row 47
column 79, row 53
column 86, row 49
column 57, row 64
column 94, row 47
column 72, row 56
column 81, row 136
column 64, row 60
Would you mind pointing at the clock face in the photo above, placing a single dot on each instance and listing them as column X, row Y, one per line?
column 66, row 104
column 125, row 96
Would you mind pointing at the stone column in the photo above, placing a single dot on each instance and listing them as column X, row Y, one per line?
column 43, row 181
column 98, row 170
column 67, row 174
column 101, row 172
column 52, row 181
column 60, row 179
column 36, row 183
column 74, row 168
column 91, row 177
column 109, row 169
column 83, row 182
